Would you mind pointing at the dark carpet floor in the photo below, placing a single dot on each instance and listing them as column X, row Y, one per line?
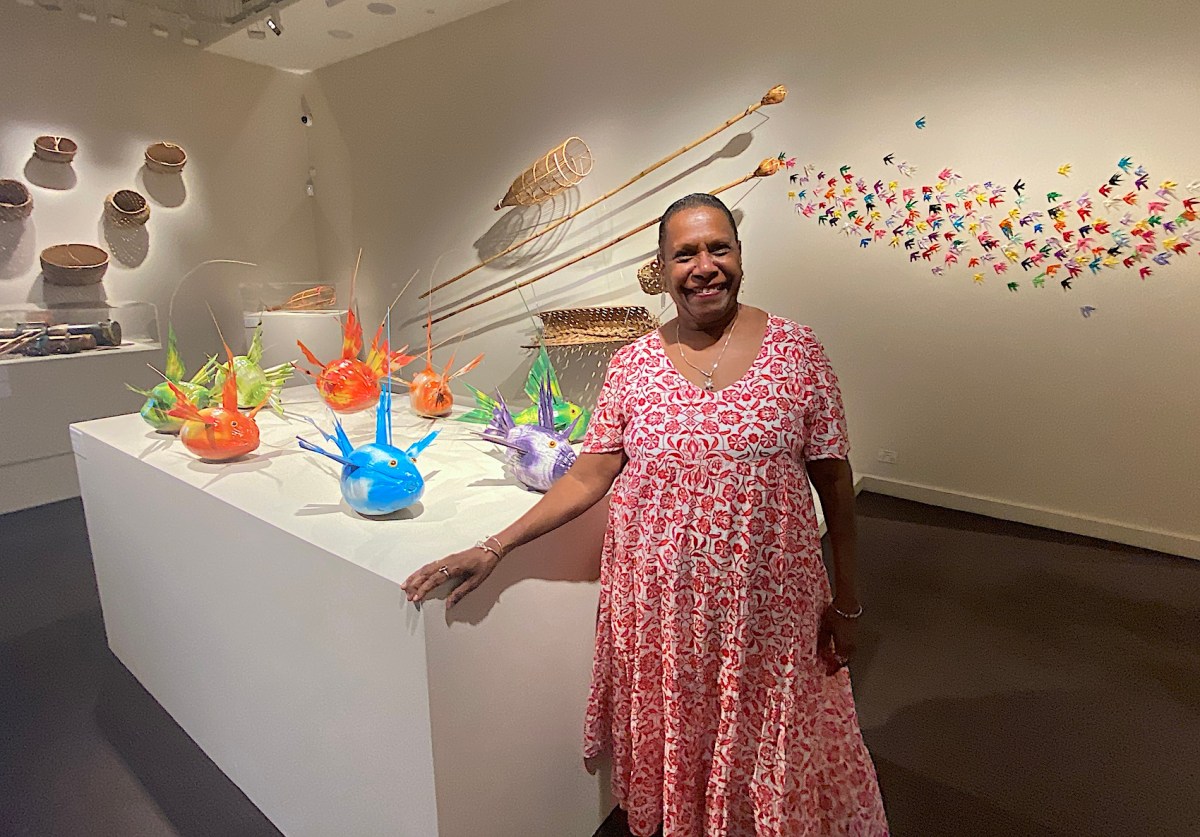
column 1011, row 681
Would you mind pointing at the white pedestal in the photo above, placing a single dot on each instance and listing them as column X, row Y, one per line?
column 266, row 618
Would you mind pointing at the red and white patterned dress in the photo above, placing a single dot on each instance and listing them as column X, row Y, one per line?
column 707, row 689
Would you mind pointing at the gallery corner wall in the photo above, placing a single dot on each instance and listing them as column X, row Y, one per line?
column 241, row 196
column 1011, row 403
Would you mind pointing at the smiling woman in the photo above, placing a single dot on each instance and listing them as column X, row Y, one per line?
column 719, row 682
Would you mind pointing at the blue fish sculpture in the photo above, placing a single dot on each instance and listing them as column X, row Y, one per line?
column 538, row 454
column 379, row 478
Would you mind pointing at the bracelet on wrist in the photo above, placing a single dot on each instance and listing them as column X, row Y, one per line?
column 486, row 544
column 854, row 614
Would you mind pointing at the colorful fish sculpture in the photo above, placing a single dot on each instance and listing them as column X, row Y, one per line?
column 255, row 384
column 429, row 390
column 566, row 413
column 378, row 478
column 350, row 385
column 538, row 454
column 160, row 400
column 218, row 433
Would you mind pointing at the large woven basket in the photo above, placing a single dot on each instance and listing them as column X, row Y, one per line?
column 55, row 149
column 15, row 200
column 585, row 326
column 127, row 208
column 74, row 264
column 165, row 158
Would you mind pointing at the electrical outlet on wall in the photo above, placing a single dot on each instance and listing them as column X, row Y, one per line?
column 888, row 456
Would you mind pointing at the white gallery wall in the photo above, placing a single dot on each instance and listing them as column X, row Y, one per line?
column 241, row 196
column 1014, row 404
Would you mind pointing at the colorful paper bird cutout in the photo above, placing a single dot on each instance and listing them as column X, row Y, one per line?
column 1065, row 169
column 920, row 123
column 1087, row 311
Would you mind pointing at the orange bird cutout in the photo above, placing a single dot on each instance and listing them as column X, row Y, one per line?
column 429, row 390
column 218, row 434
column 347, row 384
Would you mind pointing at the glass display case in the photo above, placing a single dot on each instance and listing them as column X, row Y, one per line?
column 31, row 332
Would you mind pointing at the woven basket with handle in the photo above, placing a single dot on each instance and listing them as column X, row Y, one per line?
column 55, row 149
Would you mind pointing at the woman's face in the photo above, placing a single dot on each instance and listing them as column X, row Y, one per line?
column 702, row 265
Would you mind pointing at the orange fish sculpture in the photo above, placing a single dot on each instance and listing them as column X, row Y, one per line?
column 217, row 433
column 429, row 390
column 347, row 384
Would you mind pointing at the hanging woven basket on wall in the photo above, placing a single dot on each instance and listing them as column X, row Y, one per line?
column 55, row 149
column 127, row 208
column 16, row 202
column 585, row 326
column 165, row 158
column 73, row 265
column 559, row 168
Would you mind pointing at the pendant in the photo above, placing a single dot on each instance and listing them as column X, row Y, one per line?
column 708, row 384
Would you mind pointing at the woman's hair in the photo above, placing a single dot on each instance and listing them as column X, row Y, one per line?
column 696, row 199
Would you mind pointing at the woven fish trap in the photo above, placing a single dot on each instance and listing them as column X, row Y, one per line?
column 585, row 326
column 310, row 299
column 650, row 277
column 55, row 149
column 558, row 169
column 127, row 208
column 74, row 264
column 15, row 200
column 165, row 158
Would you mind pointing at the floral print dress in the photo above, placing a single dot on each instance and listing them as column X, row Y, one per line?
column 707, row 688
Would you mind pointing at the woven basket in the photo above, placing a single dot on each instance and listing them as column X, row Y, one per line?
column 584, row 326
column 74, row 264
column 55, row 149
column 165, row 158
column 650, row 277
column 15, row 201
column 559, row 168
column 127, row 208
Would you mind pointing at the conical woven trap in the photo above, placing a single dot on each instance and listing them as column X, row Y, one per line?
column 584, row 326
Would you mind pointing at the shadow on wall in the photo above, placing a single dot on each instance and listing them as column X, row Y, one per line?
column 18, row 244
column 128, row 244
column 46, row 295
column 166, row 189
column 57, row 176
column 519, row 223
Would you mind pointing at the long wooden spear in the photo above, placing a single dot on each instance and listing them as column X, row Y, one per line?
column 766, row 168
column 773, row 97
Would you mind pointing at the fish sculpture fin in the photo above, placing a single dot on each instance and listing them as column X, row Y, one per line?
column 569, row 432
column 307, row 445
column 145, row 393
column 256, row 345
column 542, row 369
column 545, row 405
column 484, row 405
column 309, row 356
column 417, row 448
column 229, row 393
column 205, row 372
column 501, row 423
column 341, row 439
column 383, row 415
column 318, row 428
column 269, row 398
column 352, row 336
column 465, row 369
column 174, row 369
column 184, row 408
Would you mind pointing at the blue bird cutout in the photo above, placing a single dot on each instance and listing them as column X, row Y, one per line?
column 920, row 123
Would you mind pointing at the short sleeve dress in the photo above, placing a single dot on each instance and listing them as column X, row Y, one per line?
column 707, row 689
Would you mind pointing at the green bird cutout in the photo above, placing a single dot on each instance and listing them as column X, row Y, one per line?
column 565, row 411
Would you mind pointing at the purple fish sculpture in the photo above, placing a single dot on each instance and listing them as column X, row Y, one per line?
column 538, row 454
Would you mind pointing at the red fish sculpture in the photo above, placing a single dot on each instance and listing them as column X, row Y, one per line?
column 429, row 390
column 217, row 433
column 347, row 384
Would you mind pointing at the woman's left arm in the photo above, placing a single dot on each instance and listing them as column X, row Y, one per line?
column 834, row 482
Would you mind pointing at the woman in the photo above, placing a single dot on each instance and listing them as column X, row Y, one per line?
column 718, row 684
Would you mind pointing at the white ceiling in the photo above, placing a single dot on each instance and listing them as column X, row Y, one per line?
column 317, row 33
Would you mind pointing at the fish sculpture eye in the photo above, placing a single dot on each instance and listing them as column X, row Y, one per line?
column 392, row 463
column 552, row 443
column 233, row 424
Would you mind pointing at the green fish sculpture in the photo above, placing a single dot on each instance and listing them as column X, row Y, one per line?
column 565, row 412
column 160, row 400
column 253, row 382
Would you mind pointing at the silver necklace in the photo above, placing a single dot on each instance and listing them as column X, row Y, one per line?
column 708, row 381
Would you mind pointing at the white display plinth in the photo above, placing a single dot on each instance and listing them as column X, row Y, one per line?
column 266, row 618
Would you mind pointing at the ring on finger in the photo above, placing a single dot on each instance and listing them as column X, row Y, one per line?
column 444, row 572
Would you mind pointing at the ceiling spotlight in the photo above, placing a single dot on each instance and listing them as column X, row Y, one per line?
column 273, row 25
column 190, row 39
column 160, row 31
column 117, row 20
column 86, row 15
column 26, row 2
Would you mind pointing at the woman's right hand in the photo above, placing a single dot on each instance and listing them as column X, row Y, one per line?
column 472, row 566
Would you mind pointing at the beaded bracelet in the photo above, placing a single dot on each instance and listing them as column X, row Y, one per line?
column 844, row 615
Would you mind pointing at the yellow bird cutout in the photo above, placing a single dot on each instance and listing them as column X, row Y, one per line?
column 1065, row 169
column 1011, row 256
column 1014, row 213
column 940, row 186
column 978, row 278
column 972, row 227
column 892, row 184
column 981, row 199
column 895, row 242
column 792, row 195
column 876, row 215
column 1111, row 261
column 922, row 226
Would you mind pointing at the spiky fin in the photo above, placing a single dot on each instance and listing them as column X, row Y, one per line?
column 545, row 407
column 229, row 394
column 417, row 448
column 352, row 336
column 174, row 369
column 501, row 423
column 383, row 415
column 309, row 356
column 184, row 408
column 542, row 370
column 256, row 345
